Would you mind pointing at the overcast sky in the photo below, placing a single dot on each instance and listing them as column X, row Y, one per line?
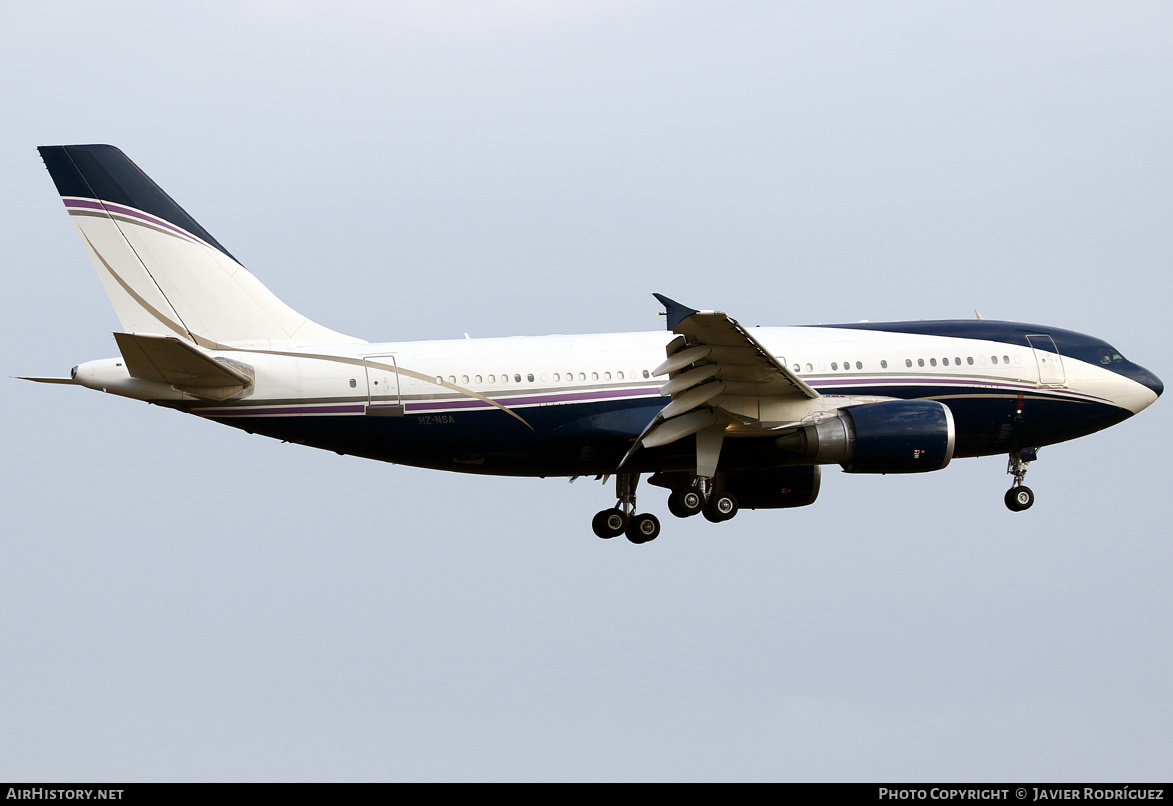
column 183, row 601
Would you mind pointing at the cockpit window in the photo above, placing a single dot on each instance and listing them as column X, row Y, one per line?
column 1110, row 355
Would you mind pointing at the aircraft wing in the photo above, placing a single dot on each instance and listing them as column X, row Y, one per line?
column 742, row 363
column 717, row 372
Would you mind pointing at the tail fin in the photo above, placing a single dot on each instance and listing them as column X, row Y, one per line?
column 163, row 272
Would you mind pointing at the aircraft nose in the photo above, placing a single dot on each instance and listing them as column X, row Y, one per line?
column 1153, row 382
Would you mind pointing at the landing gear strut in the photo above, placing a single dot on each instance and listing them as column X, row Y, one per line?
column 1019, row 496
column 622, row 518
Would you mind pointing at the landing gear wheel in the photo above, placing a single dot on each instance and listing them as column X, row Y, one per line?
column 609, row 523
column 722, row 507
column 685, row 503
column 1019, row 498
column 643, row 528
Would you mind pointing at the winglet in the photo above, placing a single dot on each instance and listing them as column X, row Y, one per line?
column 677, row 313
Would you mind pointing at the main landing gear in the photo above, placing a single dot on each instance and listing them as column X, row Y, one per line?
column 621, row 519
column 700, row 499
column 1019, row 496
column 684, row 502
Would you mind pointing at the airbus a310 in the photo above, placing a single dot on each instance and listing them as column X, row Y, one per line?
column 720, row 415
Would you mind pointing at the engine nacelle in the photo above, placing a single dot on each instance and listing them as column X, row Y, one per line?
column 775, row 489
column 893, row 436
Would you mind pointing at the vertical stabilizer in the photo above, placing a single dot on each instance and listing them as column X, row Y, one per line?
column 163, row 272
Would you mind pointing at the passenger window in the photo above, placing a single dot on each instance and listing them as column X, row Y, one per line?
column 620, row 374
column 908, row 362
column 932, row 362
column 492, row 379
column 439, row 379
column 582, row 376
column 478, row 379
column 517, row 377
column 530, row 377
column 834, row 365
column 810, row 368
column 353, row 383
column 555, row 377
column 647, row 374
column 607, row 376
column 969, row 360
column 884, row 364
column 957, row 361
column 464, row 380
column 594, row 376
column 1005, row 359
column 798, row 367
column 859, row 365
column 920, row 362
column 993, row 359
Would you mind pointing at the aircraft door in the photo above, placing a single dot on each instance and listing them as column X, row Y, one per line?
column 382, row 375
column 1049, row 362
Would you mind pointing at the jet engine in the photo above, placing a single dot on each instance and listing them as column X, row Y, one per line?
column 894, row 436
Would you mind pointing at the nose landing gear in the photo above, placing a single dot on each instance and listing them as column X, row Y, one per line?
column 1019, row 496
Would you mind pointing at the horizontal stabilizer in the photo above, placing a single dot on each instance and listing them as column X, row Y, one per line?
column 47, row 380
column 174, row 361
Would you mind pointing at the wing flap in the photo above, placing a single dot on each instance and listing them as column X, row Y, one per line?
column 718, row 374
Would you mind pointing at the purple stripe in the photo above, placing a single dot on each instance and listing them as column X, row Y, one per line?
column 130, row 212
column 441, row 405
column 922, row 381
column 276, row 410
column 970, row 383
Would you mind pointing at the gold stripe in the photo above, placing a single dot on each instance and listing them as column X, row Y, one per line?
column 212, row 345
column 419, row 376
column 146, row 306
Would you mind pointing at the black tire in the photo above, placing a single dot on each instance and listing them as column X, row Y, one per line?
column 685, row 503
column 643, row 528
column 1019, row 498
column 609, row 523
column 722, row 507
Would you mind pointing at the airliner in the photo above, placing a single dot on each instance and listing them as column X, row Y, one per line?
column 721, row 416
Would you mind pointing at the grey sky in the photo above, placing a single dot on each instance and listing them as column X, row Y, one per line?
column 182, row 601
